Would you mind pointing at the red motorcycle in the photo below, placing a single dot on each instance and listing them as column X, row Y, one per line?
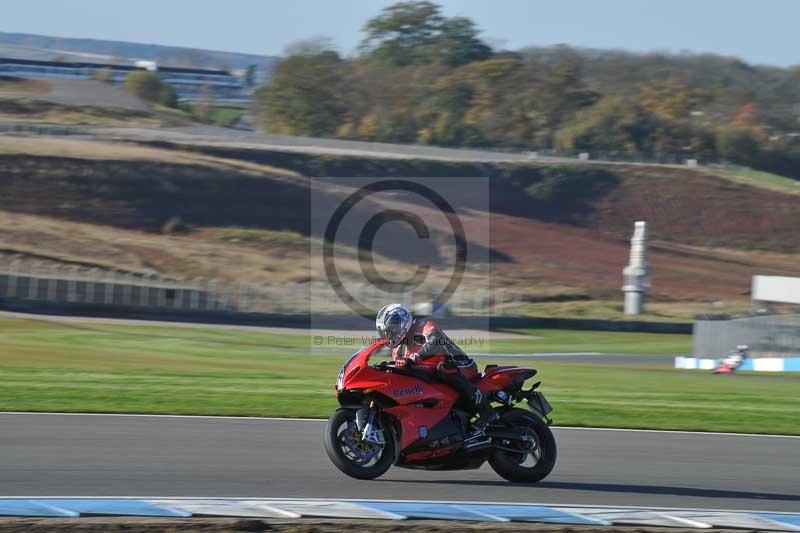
column 402, row 417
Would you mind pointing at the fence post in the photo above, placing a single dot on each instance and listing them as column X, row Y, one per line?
column 177, row 302
column 161, row 292
column 91, row 285
column 257, row 299
column 33, row 281
column 52, row 284
column 126, row 288
column 72, row 284
column 226, row 295
column 144, row 289
column 243, row 294
column 13, row 279
column 108, row 297
column 211, row 294
column 194, row 294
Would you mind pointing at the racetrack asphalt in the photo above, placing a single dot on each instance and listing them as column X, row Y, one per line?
column 99, row 455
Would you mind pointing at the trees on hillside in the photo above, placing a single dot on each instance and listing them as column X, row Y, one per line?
column 611, row 125
column 422, row 77
column 414, row 33
column 304, row 97
column 742, row 139
column 148, row 86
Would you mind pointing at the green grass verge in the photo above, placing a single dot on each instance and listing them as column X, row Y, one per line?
column 47, row 366
column 220, row 115
column 766, row 180
column 226, row 116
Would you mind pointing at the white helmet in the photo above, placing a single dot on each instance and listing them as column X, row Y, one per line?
column 393, row 323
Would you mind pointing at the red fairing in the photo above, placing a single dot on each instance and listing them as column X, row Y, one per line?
column 359, row 375
column 501, row 377
column 412, row 418
column 407, row 391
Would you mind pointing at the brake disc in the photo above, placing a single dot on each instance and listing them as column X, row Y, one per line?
column 363, row 452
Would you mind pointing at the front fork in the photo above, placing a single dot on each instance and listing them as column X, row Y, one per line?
column 367, row 421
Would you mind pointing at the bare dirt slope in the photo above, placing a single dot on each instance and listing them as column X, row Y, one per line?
column 192, row 213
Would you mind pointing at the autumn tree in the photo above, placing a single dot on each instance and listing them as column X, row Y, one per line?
column 148, row 86
column 422, row 77
column 562, row 91
column 746, row 118
column 742, row 140
column 413, row 33
column 613, row 124
column 672, row 99
column 144, row 84
column 458, row 43
column 402, row 34
column 304, row 96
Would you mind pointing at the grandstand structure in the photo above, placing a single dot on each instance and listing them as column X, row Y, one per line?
column 189, row 83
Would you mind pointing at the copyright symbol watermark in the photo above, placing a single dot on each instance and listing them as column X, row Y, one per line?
column 318, row 340
column 396, row 203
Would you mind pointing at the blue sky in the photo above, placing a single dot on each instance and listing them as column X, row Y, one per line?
column 759, row 31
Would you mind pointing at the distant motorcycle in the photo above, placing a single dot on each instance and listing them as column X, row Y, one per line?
column 731, row 362
column 395, row 416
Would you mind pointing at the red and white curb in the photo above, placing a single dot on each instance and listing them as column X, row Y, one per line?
column 281, row 508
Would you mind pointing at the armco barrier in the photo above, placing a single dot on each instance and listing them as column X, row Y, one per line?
column 757, row 364
column 325, row 321
column 277, row 508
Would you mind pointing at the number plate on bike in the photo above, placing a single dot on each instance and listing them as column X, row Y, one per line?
column 540, row 404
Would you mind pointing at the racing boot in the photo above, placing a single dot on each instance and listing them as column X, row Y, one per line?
column 486, row 413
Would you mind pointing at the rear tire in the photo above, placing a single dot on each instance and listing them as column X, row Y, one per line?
column 510, row 465
column 346, row 457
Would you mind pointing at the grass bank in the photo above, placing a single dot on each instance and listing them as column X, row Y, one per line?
column 40, row 111
column 48, row 366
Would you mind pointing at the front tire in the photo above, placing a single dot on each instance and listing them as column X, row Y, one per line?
column 514, row 466
column 352, row 456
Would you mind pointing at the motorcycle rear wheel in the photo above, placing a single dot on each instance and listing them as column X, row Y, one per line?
column 348, row 454
column 511, row 466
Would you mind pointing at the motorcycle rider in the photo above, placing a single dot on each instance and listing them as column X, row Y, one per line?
column 422, row 344
column 736, row 358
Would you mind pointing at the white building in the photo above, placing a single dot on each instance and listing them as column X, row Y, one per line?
column 189, row 83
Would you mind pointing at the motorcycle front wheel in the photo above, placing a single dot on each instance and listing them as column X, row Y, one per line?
column 534, row 463
column 351, row 455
